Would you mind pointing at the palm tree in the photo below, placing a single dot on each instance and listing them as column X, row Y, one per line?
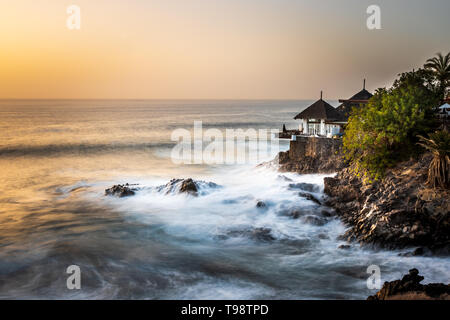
column 439, row 145
column 439, row 66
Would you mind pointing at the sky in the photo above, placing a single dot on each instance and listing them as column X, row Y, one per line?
column 213, row 49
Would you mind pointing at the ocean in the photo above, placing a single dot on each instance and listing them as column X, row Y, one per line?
column 57, row 158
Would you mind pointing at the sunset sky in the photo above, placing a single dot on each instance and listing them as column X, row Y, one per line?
column 213, row 49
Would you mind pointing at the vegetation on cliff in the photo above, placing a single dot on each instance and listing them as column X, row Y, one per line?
column 439, row 171
column 386, row 131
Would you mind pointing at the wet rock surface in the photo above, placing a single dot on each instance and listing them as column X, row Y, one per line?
column 310, row 216
column 310, row 197
column 261, row 204
column 180, row 186
column 409, row 288
column 257, row 234
column 186, row 186
column 314, row 220
column 174, row 186
column 121, row 190
column 305, row 187
column 309, row 164
column 397, row 212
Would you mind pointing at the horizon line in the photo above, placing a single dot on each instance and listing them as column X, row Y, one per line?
column 166, row 99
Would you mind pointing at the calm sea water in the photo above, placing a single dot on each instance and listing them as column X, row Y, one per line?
column 57, row 158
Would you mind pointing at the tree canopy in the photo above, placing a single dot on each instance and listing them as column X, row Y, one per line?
column 385, row 131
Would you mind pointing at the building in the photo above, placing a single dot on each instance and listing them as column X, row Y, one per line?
column 358, row 100
column 444, row 111
column 321, row 119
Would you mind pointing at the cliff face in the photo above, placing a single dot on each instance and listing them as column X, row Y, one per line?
column 312, row 155
column 399, row 211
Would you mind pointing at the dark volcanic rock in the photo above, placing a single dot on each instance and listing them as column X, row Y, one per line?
column 305, row 186
column 259, row 234
column 308, row 164
column 284, row 178
column 314, row 220
column 188, row 186
column 417, row 252
column 121, row 190
column 397, row 212
column 309, row 154
column 310, row 197
column 261, row 204
column 294, row 213
column 409, row 288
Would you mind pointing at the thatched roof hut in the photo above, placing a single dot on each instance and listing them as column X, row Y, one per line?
column 321, row 110
column 357, row 100
column 320, row 118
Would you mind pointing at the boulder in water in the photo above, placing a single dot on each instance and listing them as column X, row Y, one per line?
column 310, row 197
column 121, row 190
column 305, row 186
column 314, row 220
column 284, row 178
column 258, row 234
column 261, row 204
column 187, row 186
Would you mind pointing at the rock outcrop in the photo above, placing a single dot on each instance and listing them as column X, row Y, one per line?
column 396, row 212
column 305, row 186
column 409, row 288
column 312, row 155
column 307, row 164
column 186, row 186
column 174, row 186
column 121, row 190
column 257, row 234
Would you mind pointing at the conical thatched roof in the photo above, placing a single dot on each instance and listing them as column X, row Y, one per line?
column 362, row 95
column 321, row 110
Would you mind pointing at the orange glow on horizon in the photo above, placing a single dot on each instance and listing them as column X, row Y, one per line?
column 200, row 49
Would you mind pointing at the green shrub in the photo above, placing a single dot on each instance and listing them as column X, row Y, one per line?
column 384, row 132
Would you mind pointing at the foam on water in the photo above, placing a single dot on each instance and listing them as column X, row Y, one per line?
column 58, row 157
column 299, row 252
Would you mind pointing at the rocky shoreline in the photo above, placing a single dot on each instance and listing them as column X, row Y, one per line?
column 409, row 288
column 397, row 212
column 309, row 164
